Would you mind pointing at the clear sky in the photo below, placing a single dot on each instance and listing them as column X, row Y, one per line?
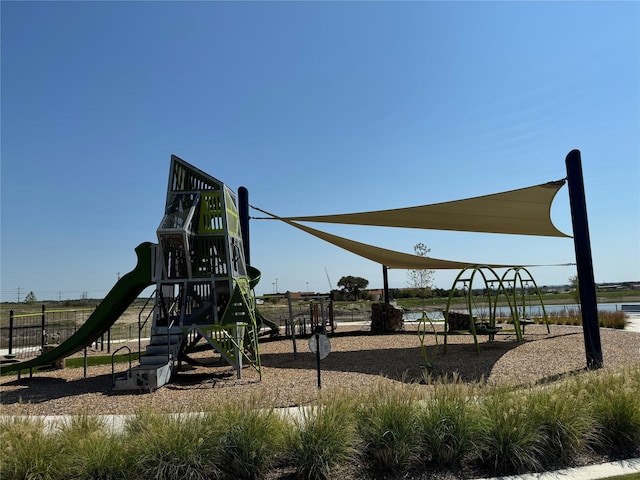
column 316, row 108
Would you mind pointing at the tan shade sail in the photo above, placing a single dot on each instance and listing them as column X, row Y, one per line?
column 390, row 258
column 526, row 211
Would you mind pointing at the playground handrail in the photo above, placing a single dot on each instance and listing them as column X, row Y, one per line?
column 113, row 362
column 141, row 324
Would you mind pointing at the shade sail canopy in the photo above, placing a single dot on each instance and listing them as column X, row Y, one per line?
column 526, row 211
column 389, row 258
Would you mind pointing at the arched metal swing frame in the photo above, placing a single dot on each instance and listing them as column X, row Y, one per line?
column 467, row 275
column 514, row 284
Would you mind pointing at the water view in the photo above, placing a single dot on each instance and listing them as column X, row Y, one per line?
column 531, row 310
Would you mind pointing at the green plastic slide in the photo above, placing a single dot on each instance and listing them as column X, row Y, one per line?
column 254, row 278
column 119, row 298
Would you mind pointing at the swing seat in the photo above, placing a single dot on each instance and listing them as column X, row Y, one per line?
column 526, row 321
column 458, row 322
column 461, row 323
column 483, row 328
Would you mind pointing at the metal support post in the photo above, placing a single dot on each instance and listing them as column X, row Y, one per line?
column 584, row 263
column 238, row 336
column 243, row 213
column 43, row 326
column 385, row 279
column 10, row 332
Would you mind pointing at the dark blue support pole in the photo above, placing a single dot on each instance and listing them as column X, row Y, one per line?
column 385, row 281
column 43, row 326
column 10, row 332
column 243, row 212
column 586, row 281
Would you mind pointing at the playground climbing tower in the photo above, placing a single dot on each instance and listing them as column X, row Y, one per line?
column 203, row 288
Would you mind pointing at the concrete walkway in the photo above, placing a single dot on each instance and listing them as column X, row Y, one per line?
column 633, row 320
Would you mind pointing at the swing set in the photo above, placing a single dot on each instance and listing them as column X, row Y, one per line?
column 516, row 285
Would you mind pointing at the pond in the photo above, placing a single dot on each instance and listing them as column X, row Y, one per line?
column 533, row 310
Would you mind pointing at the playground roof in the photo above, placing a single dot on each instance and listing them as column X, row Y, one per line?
column 523, row 212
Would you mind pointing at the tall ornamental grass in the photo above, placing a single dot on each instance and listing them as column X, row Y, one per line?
column 166, row 447
column 93, row 451
column 573, row 316
column 563, row 420
column 508, row 439
column 614, row 402
column 251, row 441
column 28, row 452
column 387, row 425
column 447, row 422
column 323, row 438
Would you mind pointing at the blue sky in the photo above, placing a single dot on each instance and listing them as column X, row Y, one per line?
column 316, row 108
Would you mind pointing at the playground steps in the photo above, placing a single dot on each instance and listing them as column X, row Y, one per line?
column 156, row 366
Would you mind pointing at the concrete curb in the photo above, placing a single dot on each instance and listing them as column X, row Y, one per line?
column 591, row 472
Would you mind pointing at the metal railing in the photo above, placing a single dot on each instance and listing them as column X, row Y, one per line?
column 23, row 336
column 27, row 334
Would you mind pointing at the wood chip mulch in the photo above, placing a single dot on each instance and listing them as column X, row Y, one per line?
column 357, row 360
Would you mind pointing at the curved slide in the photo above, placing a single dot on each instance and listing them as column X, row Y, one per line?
column 254, row 278
column 119, row 298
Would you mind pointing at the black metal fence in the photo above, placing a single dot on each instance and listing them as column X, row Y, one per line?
column 26, row 335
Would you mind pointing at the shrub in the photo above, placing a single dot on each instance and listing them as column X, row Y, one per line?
column 573, row 316
column 612, row 319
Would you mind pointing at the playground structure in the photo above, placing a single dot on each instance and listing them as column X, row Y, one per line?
column 516, row 286
column 203, row 285
column 203, row 288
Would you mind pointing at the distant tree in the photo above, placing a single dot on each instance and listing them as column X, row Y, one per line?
column 353, row 285
column 30, row 298
column 575, row 288
column 440, row 293
column 420, row 278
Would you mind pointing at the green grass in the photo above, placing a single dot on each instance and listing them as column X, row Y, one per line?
column 92, row 451
column 78, row 362
column 615, row 408
column 566, row 427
